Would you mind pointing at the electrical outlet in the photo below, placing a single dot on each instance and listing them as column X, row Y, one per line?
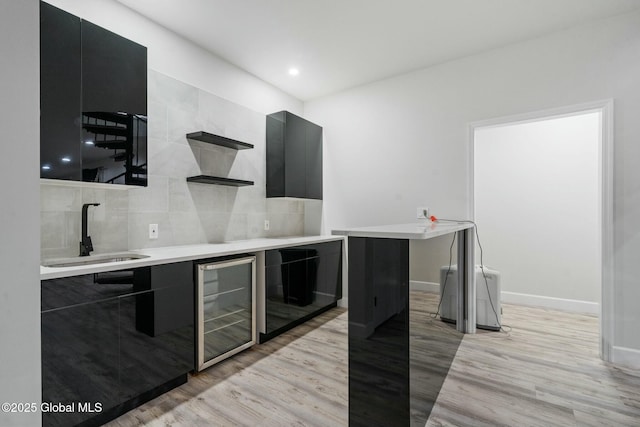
column 266, row 225
column 153, row 231
column 422, row 213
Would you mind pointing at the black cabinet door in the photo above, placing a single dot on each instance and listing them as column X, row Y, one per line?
column 60, row 95
column 157, row 327
column 275, row 154
column 313, row 161
column 300, row 282
column 80, row 358
column 290, row 294
column 93, row 102
column 172, row 308
column 115, row 336
column 150, row 360
column 294, row 157
column 329, row 272
column 278, row 312
column 114, row 107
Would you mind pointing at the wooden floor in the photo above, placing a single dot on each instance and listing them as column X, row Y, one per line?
column 296, row 379
column 545, row 372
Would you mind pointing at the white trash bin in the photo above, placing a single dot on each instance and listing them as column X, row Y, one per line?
column 488, row 307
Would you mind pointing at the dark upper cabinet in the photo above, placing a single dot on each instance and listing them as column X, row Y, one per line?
column 60, row 94
column 93, row 102
column 294, row 157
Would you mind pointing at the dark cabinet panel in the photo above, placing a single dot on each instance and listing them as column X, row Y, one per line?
column 294, row 157
column 301, row 282
column 275, row 155
column 295, row 164
column 117, row 338
column 379, row 392
column 114, row 71
column 60, row 95
column 114, row 107
column 313, row 161
column 149, row 360
column 329, row 278
column 290, row 295
column 171, row 306
column 89, row 288
column 80, row 347
column 93, row 102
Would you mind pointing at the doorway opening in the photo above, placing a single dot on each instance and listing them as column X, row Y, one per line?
column 541, row 192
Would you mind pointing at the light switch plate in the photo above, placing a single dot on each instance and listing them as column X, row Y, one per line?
column 266, row 225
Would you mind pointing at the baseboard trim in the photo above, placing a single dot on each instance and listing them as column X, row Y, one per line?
column 562, row 304
column 625, row 356
column 432, row 288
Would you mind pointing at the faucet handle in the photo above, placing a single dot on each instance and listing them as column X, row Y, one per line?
column 86, row 246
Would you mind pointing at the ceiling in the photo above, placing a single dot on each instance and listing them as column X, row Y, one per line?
column 338, row 44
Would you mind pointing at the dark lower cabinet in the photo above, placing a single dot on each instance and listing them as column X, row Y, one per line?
column 80, row 347
column 300, row 283
column 109, row 347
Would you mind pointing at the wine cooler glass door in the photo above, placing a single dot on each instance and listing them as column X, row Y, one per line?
column 226, row 300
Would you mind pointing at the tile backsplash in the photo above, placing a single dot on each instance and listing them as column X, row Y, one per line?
column 186, row 213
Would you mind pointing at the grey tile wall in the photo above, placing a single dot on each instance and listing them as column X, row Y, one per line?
column 60, row 219
column 186, row 213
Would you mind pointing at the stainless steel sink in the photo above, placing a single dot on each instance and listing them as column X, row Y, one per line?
column 92, row 259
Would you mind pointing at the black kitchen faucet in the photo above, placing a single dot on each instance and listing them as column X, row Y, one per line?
column 85, row 244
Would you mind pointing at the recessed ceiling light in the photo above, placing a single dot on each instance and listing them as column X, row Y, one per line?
column 294, row 71
column 46, row 167
column 66, row 159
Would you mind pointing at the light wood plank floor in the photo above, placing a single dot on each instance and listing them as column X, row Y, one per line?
column 296, row 379
column 546, row 372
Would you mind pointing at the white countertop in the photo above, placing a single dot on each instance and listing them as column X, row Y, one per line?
column 418, row 231
column 171, row 254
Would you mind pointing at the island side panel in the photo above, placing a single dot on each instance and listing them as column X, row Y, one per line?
column 378, row 332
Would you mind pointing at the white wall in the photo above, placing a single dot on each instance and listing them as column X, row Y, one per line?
column 19, row 212
column 403, row 142
column 537, row 207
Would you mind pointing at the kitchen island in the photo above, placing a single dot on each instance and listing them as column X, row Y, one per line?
column 397, row 362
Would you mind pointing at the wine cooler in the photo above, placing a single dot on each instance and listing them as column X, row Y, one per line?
column 226, row 295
